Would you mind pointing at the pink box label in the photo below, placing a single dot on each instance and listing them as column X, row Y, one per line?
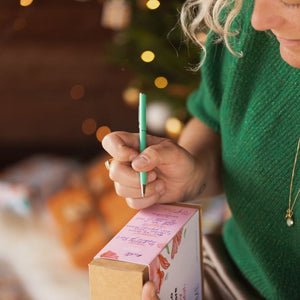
column 146, row 234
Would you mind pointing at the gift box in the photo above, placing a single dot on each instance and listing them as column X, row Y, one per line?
column 161, row 243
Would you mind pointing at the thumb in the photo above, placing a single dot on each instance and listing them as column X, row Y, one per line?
column 148, row 292
column 164, row 152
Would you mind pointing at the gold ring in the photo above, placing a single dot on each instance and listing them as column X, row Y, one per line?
column 107, row 163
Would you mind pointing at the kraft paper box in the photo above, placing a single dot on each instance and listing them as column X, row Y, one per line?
column 161, row 243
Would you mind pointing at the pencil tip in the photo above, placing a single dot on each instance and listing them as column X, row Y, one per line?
column 143, row 188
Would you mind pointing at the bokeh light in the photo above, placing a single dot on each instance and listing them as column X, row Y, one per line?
column 201, row 36
column 77, row 91
column 173, row 127
column 88, row 126
column 153, row 4
column 147, row 56
column 25, row 2
column 161, row 82
column 102, row 132
column 131, row 96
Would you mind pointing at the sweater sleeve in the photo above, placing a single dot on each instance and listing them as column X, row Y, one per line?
column 202, row 106
column 205, row 102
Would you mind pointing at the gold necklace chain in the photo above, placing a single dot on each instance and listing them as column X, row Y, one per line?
column 289, row 213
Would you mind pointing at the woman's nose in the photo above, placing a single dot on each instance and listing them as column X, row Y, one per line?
column 266, row 15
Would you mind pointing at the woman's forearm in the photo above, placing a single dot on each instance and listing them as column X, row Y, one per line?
column 205, row 145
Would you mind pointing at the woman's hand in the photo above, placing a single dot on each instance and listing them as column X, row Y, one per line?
column 148, row 292
column 173, row 174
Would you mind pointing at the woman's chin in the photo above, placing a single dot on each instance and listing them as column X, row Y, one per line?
column 291, row 56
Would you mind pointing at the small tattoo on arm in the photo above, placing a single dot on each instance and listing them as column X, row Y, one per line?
column 202, row 188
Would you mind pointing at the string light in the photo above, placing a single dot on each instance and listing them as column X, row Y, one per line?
column 153, row 4
column 88, row 126
column 161, row 82
column 102, row 132
column 25, row 2
column 147, row 56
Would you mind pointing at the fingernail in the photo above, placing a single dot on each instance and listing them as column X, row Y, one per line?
column 160, row 187
column 141, row 160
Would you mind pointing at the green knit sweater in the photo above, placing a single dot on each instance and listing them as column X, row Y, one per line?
column 254, row 103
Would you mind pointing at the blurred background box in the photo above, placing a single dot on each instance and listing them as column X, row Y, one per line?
column 26, row 185
column 88, row 212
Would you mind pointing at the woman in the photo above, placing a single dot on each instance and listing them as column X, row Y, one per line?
column 242, row 140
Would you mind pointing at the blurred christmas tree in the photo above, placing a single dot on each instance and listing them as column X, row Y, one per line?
column 149, row 42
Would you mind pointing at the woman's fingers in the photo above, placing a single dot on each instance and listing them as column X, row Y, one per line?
column 122, row 146
column 148, row 292
column 155, row 187
column 140, row 203
column 124, row 174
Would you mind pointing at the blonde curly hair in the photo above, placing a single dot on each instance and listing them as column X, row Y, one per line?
column 198, row 16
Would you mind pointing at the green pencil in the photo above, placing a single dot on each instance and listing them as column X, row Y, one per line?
column 142, row 134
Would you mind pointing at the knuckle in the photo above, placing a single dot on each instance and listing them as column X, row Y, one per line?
column 154, row 151
column 168, row 142
column 122, row 151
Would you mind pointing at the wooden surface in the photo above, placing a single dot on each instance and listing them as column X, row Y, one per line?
column 46, row 49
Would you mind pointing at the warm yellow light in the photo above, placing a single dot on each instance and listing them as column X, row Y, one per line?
column 173, row 127
column 147, row 56
column 77, row 91
column 102, row 132
column 25, row 2
column 88, row 126
column 161, row 82
column 153, row 4
column 131, row 96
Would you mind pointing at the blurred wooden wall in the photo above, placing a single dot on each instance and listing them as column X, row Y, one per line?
column 46, row 49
